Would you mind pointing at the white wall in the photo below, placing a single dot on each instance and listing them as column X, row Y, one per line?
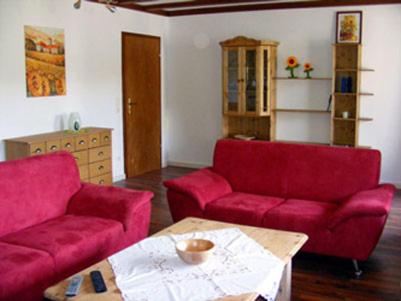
column 194, row 77
column 191, row 93
column 93, row 67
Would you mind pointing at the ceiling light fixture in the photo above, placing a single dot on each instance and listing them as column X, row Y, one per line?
column 110, row 4
column 77, row 5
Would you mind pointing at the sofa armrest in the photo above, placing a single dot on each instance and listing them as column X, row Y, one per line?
column 375, row 202
column 203, row 186
column 109, row 202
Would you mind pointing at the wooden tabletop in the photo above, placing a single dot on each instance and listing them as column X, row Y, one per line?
column 283, row 244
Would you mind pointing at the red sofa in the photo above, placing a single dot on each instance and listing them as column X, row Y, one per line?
column 330, row 193
column 52, row 225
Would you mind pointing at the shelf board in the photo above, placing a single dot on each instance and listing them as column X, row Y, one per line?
column 302, row 78
column 347, row 145
column 344, row 119
column 353, row 119
column 354, row 70
column 302, row 142
column 365, row 119
column 363, row 146
column 353, row 94
column 301, row 110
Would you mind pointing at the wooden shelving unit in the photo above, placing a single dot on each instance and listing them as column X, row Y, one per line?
column 347, row 69
column 305, row 111
column 249, row 87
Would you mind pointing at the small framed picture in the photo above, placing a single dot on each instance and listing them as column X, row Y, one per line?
column 349, row 27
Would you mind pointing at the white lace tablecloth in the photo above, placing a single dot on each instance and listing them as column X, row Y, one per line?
column 151, row 269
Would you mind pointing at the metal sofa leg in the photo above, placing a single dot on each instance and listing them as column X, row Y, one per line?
column 358, row 272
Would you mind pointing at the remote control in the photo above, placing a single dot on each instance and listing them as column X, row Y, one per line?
column 98, row 282
column 74, row 286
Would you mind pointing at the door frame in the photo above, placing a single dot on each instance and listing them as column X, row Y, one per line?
column 124, row 34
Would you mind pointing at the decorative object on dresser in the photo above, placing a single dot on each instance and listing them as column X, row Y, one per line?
column 91, row 148
column 346, row 94
column 249, row 68
column 74, row 122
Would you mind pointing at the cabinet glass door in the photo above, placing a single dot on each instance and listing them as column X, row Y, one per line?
column 232, row 84
column 250, row 80
column 265, row 80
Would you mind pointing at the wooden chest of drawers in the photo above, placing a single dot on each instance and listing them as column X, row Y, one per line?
column 91, row 148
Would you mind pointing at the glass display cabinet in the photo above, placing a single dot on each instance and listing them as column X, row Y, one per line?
column 249, row 68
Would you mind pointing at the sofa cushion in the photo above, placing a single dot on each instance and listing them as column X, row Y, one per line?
column 74, row 242
column 311, row 172
column 251, row 166
column 324, row 173
column 241, row 208
column 36, row 189
column 300, row 216
column 23, row 268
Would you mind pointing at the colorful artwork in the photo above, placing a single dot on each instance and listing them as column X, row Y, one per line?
column 292, row 64
column 349, row 27
column 44, row 61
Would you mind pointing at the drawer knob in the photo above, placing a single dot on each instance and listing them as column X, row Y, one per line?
column 101, row 182
column 68, row 145
column 100, row 167
column 82, row 142
column 38, row 150
column 100, row 153
column 53, row 147
column 94, row 140
column 106, row 138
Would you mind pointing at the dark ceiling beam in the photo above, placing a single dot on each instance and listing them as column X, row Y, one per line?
column 281, row 5
column 130, row 4
column 161, row 6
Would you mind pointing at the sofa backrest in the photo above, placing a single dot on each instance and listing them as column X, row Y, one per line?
column 313, row 172
column 36, row 189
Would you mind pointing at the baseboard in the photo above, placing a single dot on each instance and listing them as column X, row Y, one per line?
column 187, row 164
column 119, row 177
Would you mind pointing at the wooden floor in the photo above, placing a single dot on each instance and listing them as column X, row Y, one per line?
column 314, row 277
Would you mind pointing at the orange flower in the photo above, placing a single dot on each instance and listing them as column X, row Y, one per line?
column 308, row 67
column 35, row 83
column 292, row 62
column 60, row 86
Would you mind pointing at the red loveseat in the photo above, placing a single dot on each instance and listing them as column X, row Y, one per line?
column 330, row 193
column 52, row 225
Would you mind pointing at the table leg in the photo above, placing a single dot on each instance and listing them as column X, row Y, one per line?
column 284, row 292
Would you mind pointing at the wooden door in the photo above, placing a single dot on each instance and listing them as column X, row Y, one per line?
column 142, row 105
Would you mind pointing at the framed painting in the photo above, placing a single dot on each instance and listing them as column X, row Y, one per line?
column 349, row 27
column 44, row 61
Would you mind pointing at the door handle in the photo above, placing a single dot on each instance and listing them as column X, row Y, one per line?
column 130, row 104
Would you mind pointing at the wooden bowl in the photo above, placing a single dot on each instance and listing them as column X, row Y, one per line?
column 194, row 251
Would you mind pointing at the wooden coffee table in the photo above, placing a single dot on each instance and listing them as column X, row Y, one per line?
column 281, row 243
